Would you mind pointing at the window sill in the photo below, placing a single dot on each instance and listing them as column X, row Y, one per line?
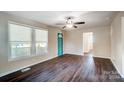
column 25, row 57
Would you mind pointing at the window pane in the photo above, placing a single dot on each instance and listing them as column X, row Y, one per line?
column 20, row 49
column 41, row 35
column 19, row 41
column 41, row 41
column 19, row 33
column 41, row 47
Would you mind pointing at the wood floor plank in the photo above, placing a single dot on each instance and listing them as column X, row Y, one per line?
column 68, row 68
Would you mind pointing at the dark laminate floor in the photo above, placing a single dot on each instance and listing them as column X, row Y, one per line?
column 69, row 68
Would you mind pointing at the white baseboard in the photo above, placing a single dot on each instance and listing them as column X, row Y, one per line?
column 117, row 69
column 14, row 70
column 102, row 57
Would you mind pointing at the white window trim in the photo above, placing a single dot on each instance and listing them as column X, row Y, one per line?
column 33, row 48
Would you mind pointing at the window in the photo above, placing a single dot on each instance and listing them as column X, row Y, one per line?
column 41, row 41
column 22, row 42
column 19, row 41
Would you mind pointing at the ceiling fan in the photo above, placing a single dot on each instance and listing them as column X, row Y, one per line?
column 69, row 23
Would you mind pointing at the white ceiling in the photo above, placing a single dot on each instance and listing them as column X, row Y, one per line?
column 92, row 18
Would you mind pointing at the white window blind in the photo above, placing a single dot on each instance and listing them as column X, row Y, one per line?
column 22, row 42
column 19, row 41
column 41, row 37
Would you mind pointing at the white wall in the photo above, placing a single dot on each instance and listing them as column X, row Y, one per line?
column 122, row 21
column 73, row 41
column 8, row 67
column 117, row 37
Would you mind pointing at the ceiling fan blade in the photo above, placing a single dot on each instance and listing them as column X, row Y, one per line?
column 75, row 26
column 59, row 24
column 79, row 23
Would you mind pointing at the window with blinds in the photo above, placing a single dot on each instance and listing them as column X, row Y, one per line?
column 23, row 38
column 41, row 38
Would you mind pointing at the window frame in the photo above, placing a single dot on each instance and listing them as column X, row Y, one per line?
column 33, row 42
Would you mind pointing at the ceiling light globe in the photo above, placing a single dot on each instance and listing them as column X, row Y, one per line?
column 69, row 25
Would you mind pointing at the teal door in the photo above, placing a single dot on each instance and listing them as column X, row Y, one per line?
column 60, row 44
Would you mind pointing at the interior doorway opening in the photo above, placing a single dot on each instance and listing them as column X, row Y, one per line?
column 87, row 43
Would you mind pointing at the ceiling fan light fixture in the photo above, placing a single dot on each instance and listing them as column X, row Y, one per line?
column 69, row 25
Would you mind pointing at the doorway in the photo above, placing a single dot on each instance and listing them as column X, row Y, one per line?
column 87, row 43
column 60, row 44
